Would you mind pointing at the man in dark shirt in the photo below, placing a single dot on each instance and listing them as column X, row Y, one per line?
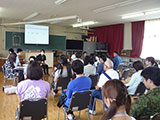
column 41, row 58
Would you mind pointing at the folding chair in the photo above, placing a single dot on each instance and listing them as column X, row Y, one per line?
column 155, row 116
column 62, row 84
column 94, row 79
column 79, row 101
column 35, row 109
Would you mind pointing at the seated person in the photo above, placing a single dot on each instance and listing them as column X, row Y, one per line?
column 109, row 74
column 89, row 69
column 34, row 87
column 102, row 59
column 116, row 60
column 136, row 78
column 148, row 104
column 84, row 55
column 19, row 52
column 9, row 71
column 31, row 58
column 80, row 83
column 78, row 56
column 63, row 69
column 115, row 96
column 41, row 58
column 150, row 62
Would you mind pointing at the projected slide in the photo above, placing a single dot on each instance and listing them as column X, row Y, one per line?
column 36, row 34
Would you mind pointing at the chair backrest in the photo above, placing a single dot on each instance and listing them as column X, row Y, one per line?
column 80, row 100
column 155, row 116
column 140, row 89
column 125, row 74
column 35, row 109
column 63, row 82
column 94, row 79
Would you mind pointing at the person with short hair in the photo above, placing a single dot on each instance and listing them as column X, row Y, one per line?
column 80, row 83
column 150, row 62
column 78, row 56
column 89, row 68
column 19, row 52
column 11, row 50
column 102, row 59
column 109, row 74
column 148, row 104
column 84, row 54
column 115, row 96
column 116, row 60
column 41, row 58
column 136, row 78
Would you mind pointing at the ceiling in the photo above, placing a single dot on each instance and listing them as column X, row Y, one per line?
column 19, row 9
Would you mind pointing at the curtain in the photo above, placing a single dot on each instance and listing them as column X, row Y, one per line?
column 137, row 38
column 113, row 35
column 151, row 44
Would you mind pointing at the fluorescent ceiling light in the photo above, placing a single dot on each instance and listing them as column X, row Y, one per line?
column 84, row 24
column 31, row 16
column 58, row 2
column 132, row 16
column 149, row 12
column 117, row 5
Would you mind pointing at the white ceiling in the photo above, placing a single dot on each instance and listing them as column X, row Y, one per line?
column 19, row 9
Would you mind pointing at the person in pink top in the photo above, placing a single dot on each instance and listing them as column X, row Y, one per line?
column 115, row 96
column 33, row 87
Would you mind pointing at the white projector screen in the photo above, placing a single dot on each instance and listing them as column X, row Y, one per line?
column 36, row 34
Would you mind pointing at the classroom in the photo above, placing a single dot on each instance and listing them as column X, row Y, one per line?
column 79, row 60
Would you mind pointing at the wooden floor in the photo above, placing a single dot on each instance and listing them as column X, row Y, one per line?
column 9, row 103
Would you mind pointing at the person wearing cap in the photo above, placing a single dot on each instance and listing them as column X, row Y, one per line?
column 109, row 74
column 116, row 60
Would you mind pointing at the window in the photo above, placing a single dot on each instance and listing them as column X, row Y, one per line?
column 151, row 43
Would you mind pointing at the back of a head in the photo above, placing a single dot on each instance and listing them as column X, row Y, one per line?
column 109, row 63
column 103, row 57
column 78, row 54
column 34, row 71
column 32, row 58
column 63, row 60
column 152, row 73
column 117, row 91
column 138, row 65
column 87, row 60
column 11, row 50
column 12, row 59
column 152, row 60
column 19, row 50
column 77, row 67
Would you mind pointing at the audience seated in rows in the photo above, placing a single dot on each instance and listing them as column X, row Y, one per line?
column 136, row 78
column 80, row 83
column 89, row 68
column 148, row 104
column 109, row 74
column 116, row 97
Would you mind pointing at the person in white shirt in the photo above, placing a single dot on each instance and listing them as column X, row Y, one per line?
column 89, row 68
column 109, row 74
column 136, row 78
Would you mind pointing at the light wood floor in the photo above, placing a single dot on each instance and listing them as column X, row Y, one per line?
column 9, row 103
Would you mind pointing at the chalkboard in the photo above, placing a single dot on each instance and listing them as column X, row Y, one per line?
column 16, row 40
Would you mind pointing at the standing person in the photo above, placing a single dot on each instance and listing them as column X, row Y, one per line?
column 116, row 97
column 116, row 60
column 148, row 104
column 109, row 74
column 150, row 62
column 34, row 87
column 84, row 55
column 80, row 83
column 19, row 52
column 78, row 56
column 102, row 59
column 136, row 78
column 41, row 58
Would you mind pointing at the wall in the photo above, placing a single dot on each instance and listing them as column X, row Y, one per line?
column 69, row 32
column 127, row 44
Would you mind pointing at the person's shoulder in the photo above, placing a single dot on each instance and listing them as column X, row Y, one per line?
column 24, row 82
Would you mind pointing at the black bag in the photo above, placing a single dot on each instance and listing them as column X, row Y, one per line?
column 61, row 101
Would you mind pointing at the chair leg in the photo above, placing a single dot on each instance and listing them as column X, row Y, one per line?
column 58, row 113
column 4, row 81
column 89, row 116
column 79, row 114
column 64, row 114
column 53, row 98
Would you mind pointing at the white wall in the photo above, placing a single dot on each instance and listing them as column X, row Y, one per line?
column 127, row 43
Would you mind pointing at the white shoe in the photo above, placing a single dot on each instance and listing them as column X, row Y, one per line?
column 92, row 112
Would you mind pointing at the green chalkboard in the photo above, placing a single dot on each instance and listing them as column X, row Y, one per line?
column 16, row 40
